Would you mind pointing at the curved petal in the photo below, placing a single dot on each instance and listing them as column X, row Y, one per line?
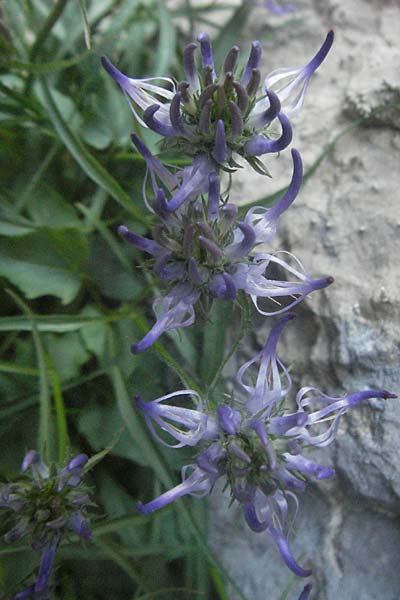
column 287, row 556
column 332, row 411
column 251, row 278
column 176, row 310
column 268, row 388
column 291, row 83
column 206, row 52
column 307, row 466
column 259, row 144
column 186, row 425
column 144, row 244
column 253, row 61
column 189, row 67
column 46, row 565
column 198, row 482
column 265, row 221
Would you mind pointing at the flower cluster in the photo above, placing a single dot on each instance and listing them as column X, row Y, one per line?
column 221, row 113
column 43, row 506
column 199, row 246
column 253, row 442
column 201, row 249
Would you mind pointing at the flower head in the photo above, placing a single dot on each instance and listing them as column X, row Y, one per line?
column 218, row 112
column 255, row 444
column 202, row 249
column 44, row 505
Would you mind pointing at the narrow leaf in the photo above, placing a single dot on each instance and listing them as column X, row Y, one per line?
column 44, row 441
column 86, row 26
column 93, row 169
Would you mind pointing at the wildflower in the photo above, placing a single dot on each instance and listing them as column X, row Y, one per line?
column 215, row 113
column 255, row 444
column 44, row 505
column 204, row 251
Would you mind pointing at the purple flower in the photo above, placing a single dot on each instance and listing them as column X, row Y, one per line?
column 254, row 444
column 71, row 474
column 253, row 279
column 203, row 249
column 140, row 93
column 186, row 425
column 33, row 461
column 45, row 504
column 219, row 113
column 40, row 589
column 290, row 84
column 182, row 186
column 268, row 390
column 198, row 483
column 173, row 311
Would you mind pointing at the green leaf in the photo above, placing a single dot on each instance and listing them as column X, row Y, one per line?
column 54, row 323
column 105, row 270
column 46, row 67
column 68, row 354
column 94, row 335
column 94, row 421
column 48, row 261
column 47, row 208
column 62, row 428
column 165, row 52
column 93, row 219
column 218, row 583
column 11, row 368
column 117, row 502
column 84, row 158
column 113, row 552
column 214, row 339
column 139, row 437
column 95, row 459
column 107, row 118
column 12, row 224
column 86, row 26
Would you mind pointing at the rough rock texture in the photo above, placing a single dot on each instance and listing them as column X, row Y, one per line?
column 345, row 222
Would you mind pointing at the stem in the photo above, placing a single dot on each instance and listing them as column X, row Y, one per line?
column 41, row 37
column 245, row 316
column 48, row 25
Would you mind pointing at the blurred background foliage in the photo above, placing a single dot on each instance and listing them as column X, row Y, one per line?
column 73, row 296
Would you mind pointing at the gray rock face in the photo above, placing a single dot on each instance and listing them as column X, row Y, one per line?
column 346, row 223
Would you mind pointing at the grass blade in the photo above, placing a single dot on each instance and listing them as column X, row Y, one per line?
column 44, row 441
column 85, row 19
column 61, row 419
column 93, row 169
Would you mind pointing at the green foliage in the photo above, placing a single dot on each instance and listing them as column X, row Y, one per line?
column 79, row 296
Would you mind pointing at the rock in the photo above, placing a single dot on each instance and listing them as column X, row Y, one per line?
column 346, row 223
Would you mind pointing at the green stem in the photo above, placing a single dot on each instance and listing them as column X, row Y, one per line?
column 245, row 315
column 62, row 427
column 41, row 37
column 48, row 25
column 162, row 353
